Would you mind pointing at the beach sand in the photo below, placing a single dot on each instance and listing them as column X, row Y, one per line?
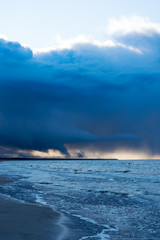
column 22, row 221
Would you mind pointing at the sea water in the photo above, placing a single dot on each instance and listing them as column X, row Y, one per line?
column 100, row 199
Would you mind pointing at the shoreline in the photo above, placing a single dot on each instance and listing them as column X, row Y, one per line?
column 21, row 220
column 57, row 159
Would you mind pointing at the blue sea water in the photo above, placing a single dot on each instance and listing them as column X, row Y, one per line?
column 99, row 199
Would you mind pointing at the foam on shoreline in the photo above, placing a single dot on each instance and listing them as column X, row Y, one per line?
column 21, row 220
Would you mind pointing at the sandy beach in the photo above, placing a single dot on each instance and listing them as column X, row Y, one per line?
column 22, row 221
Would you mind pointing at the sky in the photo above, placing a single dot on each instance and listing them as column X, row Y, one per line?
column 38, row 23
column 80, row 78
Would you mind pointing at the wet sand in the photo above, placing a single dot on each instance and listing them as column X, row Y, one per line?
column 22, row 221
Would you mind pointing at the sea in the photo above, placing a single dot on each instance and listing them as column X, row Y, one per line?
column 97, row 199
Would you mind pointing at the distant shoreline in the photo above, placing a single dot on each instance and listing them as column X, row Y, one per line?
column 54, row 159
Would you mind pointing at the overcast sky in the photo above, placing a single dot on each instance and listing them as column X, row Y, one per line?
column 88, row 82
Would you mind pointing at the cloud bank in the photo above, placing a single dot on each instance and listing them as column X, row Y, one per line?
column 92, row 96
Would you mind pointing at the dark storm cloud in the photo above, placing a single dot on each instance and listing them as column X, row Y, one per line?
column 81, row 96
